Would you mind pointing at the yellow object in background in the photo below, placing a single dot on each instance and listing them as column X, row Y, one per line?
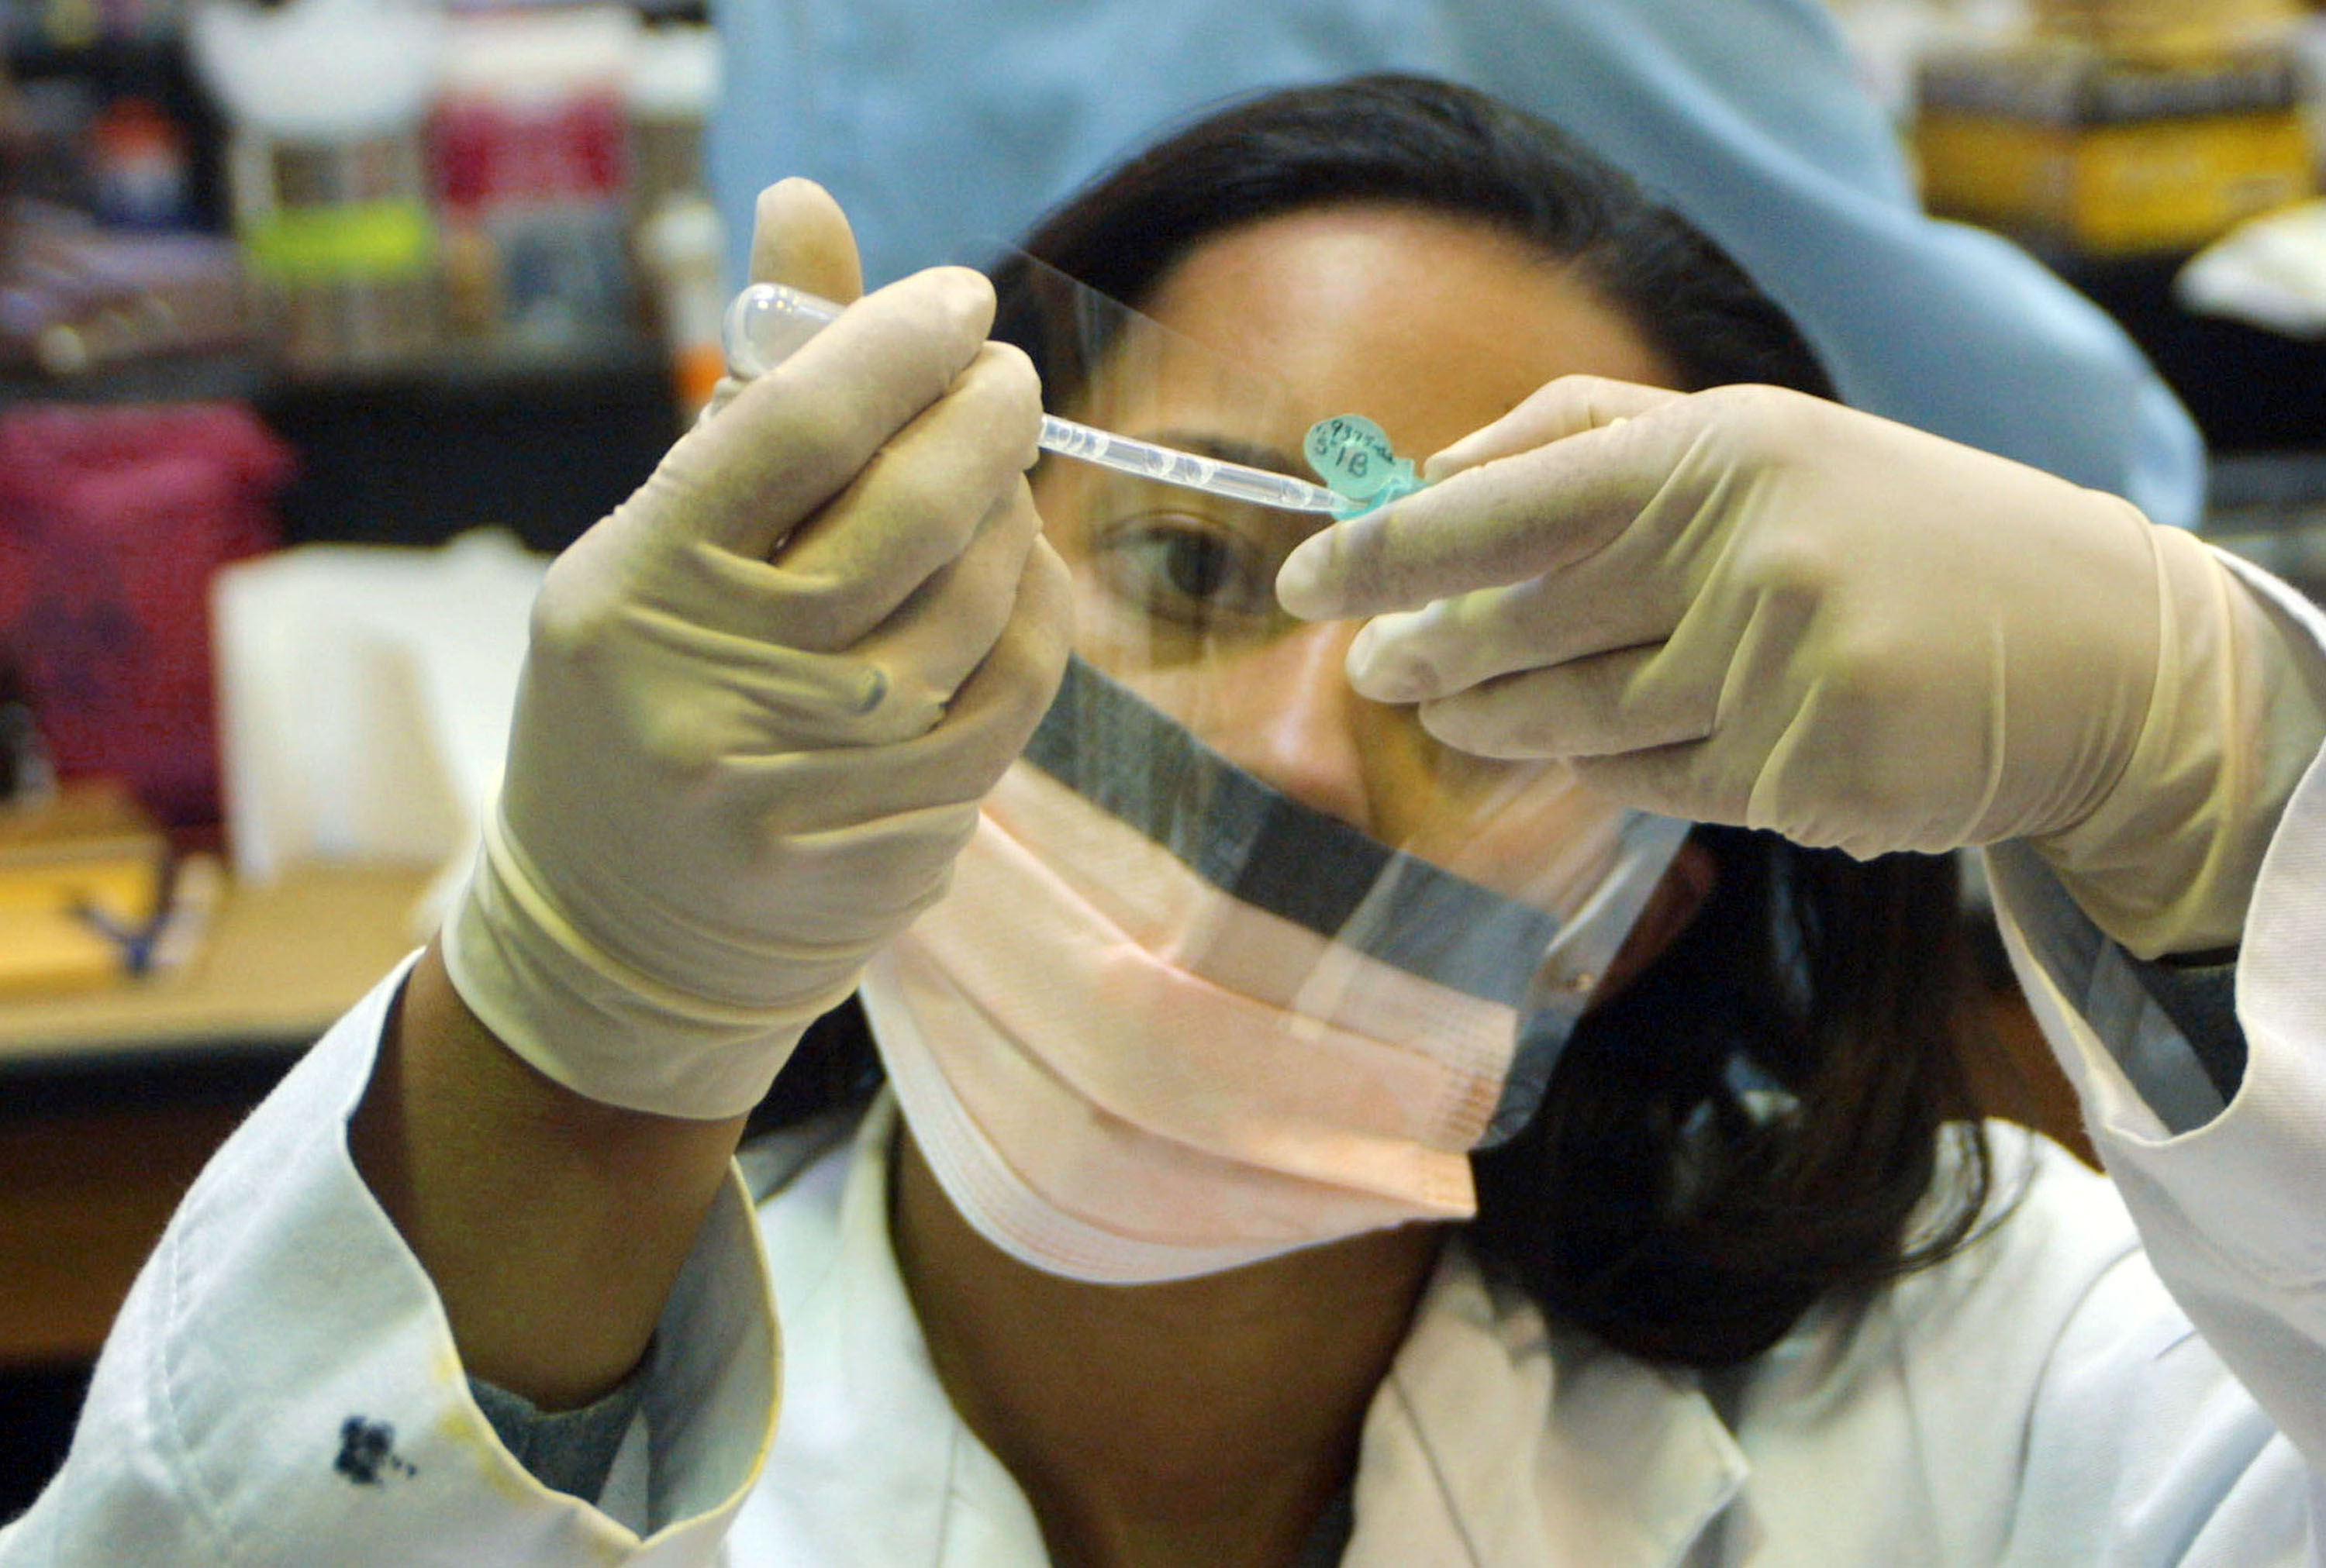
column 2165, row 28
column 47, row 955
column 89, row 850
column 2087, row 152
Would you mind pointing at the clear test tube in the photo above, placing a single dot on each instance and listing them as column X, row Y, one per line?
column 769, row 322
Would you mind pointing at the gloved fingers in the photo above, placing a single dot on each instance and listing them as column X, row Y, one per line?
column 678, row 699
column 951, row 622
column 1860, row 811
column 1610, row 602
column 1816, row 730
column 1684, row 781
column 706, row 622
column 916, row 508
column 803, row 795
column 800, row 236
column 1503, row 522
column 856, row 881
column 806, row 793
column 1567, row 406
column 998, row 706
column 799, row 435
column 722, row 393
column 804, row 702
column 955, row 761
column 1630, row 700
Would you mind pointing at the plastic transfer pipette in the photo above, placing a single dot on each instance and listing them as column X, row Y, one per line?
column 768, row 322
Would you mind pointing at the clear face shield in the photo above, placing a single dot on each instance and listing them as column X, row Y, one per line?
column 1240, row 961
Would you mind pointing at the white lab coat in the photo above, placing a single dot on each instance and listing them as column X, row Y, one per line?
column 281, row 1386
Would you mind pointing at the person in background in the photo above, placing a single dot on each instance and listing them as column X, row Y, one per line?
column 942, row 129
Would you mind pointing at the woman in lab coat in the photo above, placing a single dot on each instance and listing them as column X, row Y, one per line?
column 1152, row 1250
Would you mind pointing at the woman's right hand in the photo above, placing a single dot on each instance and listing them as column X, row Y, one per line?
column 1749, row 606
column 764, row 698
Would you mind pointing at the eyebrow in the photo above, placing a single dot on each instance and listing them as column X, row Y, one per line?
column 1228, row 449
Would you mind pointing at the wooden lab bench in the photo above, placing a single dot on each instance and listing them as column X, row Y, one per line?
column 111, row 1101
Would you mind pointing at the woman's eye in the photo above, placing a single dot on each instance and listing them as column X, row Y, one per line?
column 1187, row 570
column 1196, row 567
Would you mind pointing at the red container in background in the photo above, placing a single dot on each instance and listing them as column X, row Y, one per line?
column 111, row 521
column 529, row 154
column 493, row 156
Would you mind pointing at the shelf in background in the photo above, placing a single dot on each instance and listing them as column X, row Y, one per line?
column 543, row 445
column 540, row 440
column 164, row 378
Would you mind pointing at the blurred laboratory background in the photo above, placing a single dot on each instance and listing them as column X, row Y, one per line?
column 321, row 323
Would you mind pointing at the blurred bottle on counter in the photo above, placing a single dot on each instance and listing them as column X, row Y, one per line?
column 684, row 248
column 530, row 163
column 325, row 170
column 680, row 241
column 671, row 88
column 27, row 777
column 140, row 166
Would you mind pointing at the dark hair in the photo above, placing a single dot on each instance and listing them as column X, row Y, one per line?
column 1759, row 1120
column 1413, row 142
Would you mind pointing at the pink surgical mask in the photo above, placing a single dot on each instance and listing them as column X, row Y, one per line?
column 1170, row 1022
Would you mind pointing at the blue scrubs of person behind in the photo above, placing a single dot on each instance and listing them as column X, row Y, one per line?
column 940, row 125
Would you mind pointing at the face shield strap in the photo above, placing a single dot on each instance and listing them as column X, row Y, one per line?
column 1265, row 849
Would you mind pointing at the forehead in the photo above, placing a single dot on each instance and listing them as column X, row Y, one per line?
column 1429, row 324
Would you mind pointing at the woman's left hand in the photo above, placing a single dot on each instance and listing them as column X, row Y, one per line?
column 1754, row 607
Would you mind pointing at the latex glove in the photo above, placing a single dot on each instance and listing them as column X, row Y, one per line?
column 1753, row 607
column 729, row 780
